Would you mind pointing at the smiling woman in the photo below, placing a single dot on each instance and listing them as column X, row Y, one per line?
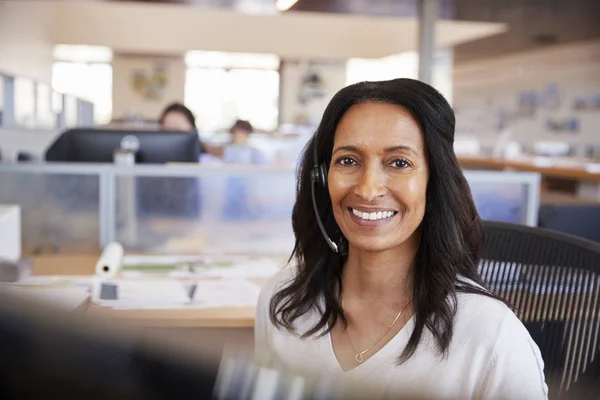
column 385, row 288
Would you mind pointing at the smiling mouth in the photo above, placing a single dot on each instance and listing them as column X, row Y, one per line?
column 373, row 216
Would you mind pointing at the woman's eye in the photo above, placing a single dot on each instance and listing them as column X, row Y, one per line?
column 346, row 161
column 400, row 163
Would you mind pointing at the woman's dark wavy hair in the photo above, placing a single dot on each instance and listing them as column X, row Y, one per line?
column 452, row 232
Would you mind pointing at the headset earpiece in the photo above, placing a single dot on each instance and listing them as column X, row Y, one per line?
column 319, row 175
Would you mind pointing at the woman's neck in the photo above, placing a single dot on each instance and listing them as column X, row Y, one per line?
column 379, row 276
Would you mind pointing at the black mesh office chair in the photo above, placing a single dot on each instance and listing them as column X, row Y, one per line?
column 552, row 280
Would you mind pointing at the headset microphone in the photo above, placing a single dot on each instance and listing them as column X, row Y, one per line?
column 318, row 175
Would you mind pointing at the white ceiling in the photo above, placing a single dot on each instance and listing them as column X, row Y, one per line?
column 173, row 29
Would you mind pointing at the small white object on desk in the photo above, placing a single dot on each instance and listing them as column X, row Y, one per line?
column 110, row 261
column 594, row 168
column 10, row 232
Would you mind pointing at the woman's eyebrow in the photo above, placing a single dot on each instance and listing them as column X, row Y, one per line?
column 405, row 148
column 346, row 148
column 392, row 149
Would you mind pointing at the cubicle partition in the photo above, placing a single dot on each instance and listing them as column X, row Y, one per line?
column 60, row 206
column 193, row 209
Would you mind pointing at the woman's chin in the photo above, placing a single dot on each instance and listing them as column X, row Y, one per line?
column 370, row 244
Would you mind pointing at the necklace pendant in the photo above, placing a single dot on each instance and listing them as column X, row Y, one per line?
column 359, row 358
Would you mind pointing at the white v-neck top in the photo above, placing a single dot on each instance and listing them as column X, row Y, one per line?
column 491, row 355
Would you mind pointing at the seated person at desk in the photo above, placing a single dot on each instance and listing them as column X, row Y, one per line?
column 385, row 290
column 177, row 117
column 155, row 195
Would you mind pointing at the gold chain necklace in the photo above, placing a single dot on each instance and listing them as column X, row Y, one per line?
column 359, row 354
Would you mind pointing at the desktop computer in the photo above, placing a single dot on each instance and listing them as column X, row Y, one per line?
column 88, row 145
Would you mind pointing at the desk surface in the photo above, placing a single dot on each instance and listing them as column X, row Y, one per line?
column 571, row 171
column 73, row 264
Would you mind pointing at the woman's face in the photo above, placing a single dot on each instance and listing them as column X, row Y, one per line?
column 378, row 176
column 176, row 121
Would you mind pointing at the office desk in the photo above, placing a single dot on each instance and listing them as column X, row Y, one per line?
column 73, row 264
column 563, row 175
column 567, row 171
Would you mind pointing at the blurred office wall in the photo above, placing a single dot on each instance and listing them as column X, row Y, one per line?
column 549, row 94
column 25, row 44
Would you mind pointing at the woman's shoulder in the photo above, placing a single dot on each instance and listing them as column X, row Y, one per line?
column 482, row 315
column 489, row 322
column 489, row 325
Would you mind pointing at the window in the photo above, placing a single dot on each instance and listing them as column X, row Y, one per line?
column 91, row 82
column 404, row 65
column 85, row 72
column 222, row 87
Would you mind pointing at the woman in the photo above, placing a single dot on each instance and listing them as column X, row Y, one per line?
column 394, row 299
column 177, row 117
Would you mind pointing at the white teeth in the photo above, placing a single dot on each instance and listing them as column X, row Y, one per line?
column 374, row 215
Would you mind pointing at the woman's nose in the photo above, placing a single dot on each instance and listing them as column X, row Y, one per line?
column 371, row 184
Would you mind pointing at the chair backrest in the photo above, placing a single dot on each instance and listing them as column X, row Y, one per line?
column 552, row 280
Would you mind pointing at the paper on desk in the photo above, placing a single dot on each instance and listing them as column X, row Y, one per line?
column 64, row 298
column 150, row 293
column 241, row 268
column 140, row 259
column 225, row 293
column 593, row 167
column 208, row 294
column 236, row 267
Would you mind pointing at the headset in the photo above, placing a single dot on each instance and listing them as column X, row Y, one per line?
column 318, row 176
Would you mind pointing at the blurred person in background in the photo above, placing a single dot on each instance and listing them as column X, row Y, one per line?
column 240, row 132
column 387, row 291
column 177, row 117
column 239, row 150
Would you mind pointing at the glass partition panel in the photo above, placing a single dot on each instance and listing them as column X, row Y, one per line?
column 59, row 211
column 194, row 209
column 216, row 213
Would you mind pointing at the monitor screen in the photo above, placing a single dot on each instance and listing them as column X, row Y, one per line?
column 98, row 146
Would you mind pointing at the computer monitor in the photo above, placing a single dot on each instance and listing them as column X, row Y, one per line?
column 87, row 145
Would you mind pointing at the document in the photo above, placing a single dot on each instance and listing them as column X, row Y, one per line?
column 235, row 267
column 147, row 293
column 175, row 294
column 225, row 293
